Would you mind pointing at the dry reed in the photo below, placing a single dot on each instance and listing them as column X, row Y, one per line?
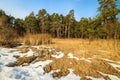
column 37, row 39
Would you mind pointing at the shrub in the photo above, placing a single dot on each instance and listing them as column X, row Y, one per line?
column 37, row 39
column 8, row 37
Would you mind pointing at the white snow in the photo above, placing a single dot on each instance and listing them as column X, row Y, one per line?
column 6, row 57
column 85, row 59
column 35, row 71
column 94, row 78
column 70, row 76
column 58, row 55
column 112, row 77
column 115, row 66
column 37, row 47
column 29, row 53
column 32, row 72
column 70, row 55
column 108, row 60
column 41, row 63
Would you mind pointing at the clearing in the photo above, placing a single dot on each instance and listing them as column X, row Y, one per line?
column 65, row 59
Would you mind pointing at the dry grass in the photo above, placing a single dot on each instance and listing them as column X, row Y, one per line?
column 85, row 48
column 23, row 60
column 81, row 68
column 36, row 39
column 8, row 37
column 108, row 49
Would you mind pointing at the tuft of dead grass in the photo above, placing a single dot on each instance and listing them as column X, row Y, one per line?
column 22, row 61
column 39, row 55
column 8, row 37
column 36, row 39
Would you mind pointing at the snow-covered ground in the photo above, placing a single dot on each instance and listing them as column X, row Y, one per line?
column 35, row 71
column 32, row 72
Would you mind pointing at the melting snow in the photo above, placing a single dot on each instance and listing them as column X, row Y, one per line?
column 94, row 78
column 35, row 71
column 41, row 63
column 70, row 76
column 70, row 55
column 115, row 66
column 32, row 72
column 108, row 60
column 29, row 53
column 85, row 59
column 112, row 77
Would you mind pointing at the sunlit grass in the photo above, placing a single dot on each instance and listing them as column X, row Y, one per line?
column 36, row 39
column 86, row 48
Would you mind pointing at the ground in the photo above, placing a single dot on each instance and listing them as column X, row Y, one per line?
column 64, row 59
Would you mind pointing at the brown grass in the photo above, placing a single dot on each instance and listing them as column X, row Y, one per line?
column 23, row 60
column 81, row 68
column 36, row 39
column 8, row 37
column 85, row 48
column 108, row 49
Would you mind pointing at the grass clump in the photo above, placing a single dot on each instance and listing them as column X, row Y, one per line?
column 8, row 37
column 61, row 73
column 22, row 61
column 37, row 39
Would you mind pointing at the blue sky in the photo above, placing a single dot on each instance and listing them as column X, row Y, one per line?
column 22, row 8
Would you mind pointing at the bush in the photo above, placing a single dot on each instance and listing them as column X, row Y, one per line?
column 8, row 37
column 37, row 39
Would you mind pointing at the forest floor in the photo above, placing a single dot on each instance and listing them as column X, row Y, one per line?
column 64, row 59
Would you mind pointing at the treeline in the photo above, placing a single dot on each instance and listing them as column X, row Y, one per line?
column 104, row 26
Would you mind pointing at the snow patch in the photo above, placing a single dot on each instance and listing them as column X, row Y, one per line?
column 108, row 60
column 87, row 60
column 70, row 55
column 94, row 78
column 28, row 54
column 115, row 66
column 41, row 63
column 70, row 76
column 112, row 77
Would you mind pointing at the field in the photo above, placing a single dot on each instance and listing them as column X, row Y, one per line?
column 63, row 59
column 87, row 48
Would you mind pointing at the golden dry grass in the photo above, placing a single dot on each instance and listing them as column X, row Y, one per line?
column 96, row 51
column 86, row 48
column 36, row 39
column 23, row 60
column 8, row 37
column 81, row 67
